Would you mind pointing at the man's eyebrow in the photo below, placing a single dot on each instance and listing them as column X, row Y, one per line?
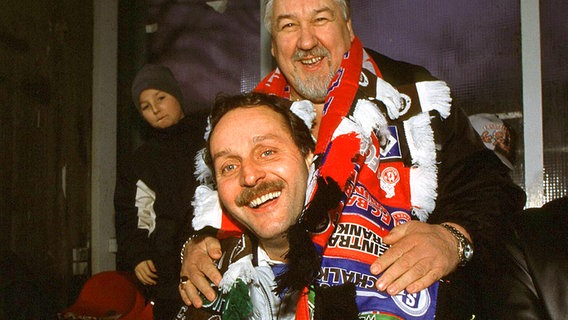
column 269, row 138
column 220, row 154
column 315, row 12
column 256, row 139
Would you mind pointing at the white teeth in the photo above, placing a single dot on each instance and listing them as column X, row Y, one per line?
column 258, row 201
column 312, row 60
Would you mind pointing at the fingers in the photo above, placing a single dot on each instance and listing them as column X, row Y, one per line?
column 190, row 294
column 145, row 271
column 423, row 282
column 420, row 255
column 198, row 266
column 213, row 247
column 413, row 278
column 399, row 232
column 151, row 266
column 396, row 251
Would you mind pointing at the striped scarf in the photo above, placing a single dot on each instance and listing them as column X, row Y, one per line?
column 374, row 168
column 374, row 142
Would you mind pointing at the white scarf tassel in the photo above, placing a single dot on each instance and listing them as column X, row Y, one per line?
column 365, row 119
column 423, row 174
column 391, row 98
column 435, row 95
column 240, row 269
column 202, row 172
column 207, row 209
column 369, row 116
column 305, row 110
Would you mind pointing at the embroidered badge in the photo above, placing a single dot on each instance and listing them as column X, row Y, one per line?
column 416, row 304
column 400, row 217
column 389, row 178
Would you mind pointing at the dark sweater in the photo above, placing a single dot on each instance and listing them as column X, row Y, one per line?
column 165, row 165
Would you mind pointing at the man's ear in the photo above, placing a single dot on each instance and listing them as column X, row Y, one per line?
column 309, row 159
column 350, row 28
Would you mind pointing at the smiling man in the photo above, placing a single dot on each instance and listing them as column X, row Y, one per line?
column 259, row 170
column 258, row 154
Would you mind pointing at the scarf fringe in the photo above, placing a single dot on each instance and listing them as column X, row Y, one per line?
column 305, row 110
column 241, row 269
column 238, row 304
column 370, row 118
column 207, row 209
column 395, row 102
column 366, row 118
column 304, row 261
column 336, row 302
column 435, row 95
column 202, row 172
column 423, row 174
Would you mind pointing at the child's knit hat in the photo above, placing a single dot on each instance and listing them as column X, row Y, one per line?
column 158, row 77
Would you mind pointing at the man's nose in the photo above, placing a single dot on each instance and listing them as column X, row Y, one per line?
column 308, row 39
column 251, row 173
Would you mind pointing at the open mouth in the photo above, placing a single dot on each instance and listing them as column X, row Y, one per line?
column 309, row 62
column 263, row 199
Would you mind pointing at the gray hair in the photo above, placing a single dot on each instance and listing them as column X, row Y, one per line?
column 344, row 4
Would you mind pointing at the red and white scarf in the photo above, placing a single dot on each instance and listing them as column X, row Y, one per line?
column 375, row 142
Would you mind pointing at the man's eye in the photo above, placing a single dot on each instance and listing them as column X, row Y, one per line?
column 160, row 98
column 267, row 153
column 228, row 168
column 321, row 20
column 287, row 26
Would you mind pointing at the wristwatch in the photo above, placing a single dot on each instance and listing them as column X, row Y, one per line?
column 465, row 247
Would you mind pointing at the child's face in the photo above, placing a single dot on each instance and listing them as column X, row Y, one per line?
column 160, row 109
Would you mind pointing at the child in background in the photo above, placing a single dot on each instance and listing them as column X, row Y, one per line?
column 154, row 190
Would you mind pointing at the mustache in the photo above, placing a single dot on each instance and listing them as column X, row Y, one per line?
column 317, row 51
column 251, row 193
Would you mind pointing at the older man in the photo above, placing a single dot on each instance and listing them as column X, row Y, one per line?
column 424, row 164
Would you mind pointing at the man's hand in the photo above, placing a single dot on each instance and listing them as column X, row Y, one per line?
column 420, row 254
column 146, row 272
column 198, row 267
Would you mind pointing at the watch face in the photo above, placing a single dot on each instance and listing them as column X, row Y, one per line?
column 468, row 252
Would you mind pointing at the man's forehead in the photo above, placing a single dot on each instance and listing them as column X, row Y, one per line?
column 256, row 124
column 314, row 6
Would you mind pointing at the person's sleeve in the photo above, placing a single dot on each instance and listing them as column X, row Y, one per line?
column 133, row 243
column 475, row 190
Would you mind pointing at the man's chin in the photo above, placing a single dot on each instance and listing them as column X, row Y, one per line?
column 315, row 97
column 311, row 92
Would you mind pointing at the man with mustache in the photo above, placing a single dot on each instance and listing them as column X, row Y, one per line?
column 433, row 188
column 257, row 158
